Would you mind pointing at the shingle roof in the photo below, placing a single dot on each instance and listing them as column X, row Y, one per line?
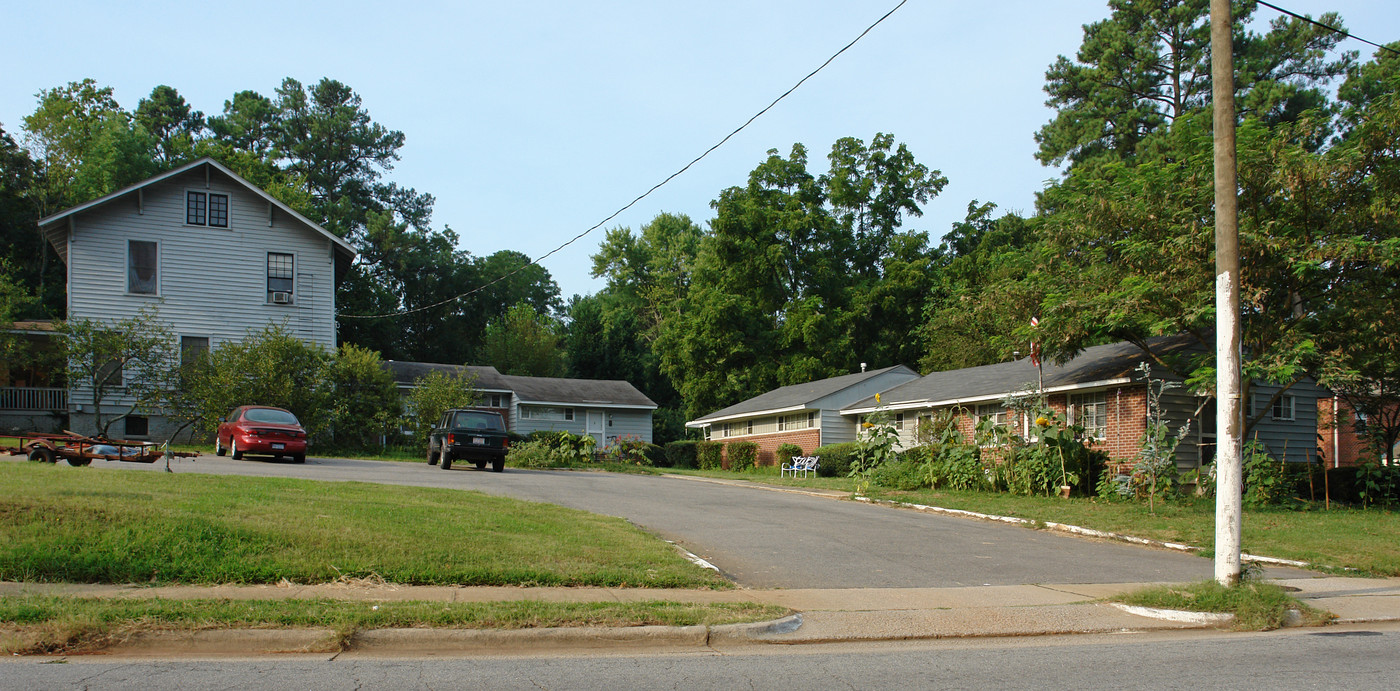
column 487, row 378
column 1114, row 362
column 604, row 392
column 600, row 392
column 797, row 395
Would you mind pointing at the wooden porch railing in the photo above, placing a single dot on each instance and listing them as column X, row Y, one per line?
column 24, row 398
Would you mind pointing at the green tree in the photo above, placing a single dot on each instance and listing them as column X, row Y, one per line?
column 126, row 364
column 168, row 119
column 434, row 395
column 32, row 262
column 524, row 342
column 269, row 367
column 365, row 404
column 1148, row 64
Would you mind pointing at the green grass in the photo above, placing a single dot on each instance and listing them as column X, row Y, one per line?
column 1256, row 606
column 108, row 526
column 47, row 624
column 1347, row 540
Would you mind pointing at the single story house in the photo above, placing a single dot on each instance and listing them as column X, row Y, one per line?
column 608, row 410
column 806, row 415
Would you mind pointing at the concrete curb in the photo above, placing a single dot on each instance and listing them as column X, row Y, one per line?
column 1177, row 615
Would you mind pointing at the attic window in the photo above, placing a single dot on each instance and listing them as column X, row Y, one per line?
column 206, row 208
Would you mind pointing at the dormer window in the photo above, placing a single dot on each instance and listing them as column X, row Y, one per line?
column 206, row 209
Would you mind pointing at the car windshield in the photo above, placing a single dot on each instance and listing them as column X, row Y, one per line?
column 471, row 420
column 279, row 417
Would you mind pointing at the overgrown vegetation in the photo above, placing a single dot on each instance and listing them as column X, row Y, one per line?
column 1256, row 606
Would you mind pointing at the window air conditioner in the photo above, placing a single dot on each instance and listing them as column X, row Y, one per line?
column 281, row 298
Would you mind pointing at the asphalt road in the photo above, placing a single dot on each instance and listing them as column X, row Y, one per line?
column 766, row 539
column 1359, row 658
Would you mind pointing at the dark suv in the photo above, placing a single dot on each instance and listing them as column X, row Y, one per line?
column 467, row 434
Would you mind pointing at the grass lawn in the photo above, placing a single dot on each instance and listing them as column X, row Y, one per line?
column 1337, row 539
column 1256, row 606
column 108, row 526
column 41, row 624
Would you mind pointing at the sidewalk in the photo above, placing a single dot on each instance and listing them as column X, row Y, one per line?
column 822, row 616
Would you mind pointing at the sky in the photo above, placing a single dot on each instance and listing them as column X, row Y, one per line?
column 531, row 121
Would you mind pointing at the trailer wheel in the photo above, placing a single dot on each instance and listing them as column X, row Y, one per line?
column 76, row 461
column 41, row 453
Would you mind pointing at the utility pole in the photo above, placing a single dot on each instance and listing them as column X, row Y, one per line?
column 1229, row 422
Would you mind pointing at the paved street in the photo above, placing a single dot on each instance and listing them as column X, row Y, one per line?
column 1354, row 657
column 769, row 539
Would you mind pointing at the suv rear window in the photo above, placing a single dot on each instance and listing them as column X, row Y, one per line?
column 474, row 420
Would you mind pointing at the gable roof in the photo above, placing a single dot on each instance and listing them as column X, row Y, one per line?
column 1104, row 365
column 340, row 244
column 796, row 396
column 406, row 373
column 599, row 393
column 602, row 393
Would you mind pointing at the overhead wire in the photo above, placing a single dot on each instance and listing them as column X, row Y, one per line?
column 645, row 194
column 1333, row 29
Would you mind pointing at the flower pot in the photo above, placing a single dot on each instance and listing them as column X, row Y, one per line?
column 1064, row 491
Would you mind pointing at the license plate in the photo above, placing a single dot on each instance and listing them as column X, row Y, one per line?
column 479, row 441
column 278, row 447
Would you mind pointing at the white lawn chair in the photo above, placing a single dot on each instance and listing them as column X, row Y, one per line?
column 799, row 464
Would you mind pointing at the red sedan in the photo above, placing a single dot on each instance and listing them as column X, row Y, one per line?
column 263, row 431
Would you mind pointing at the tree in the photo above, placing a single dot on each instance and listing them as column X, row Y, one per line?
column 171, row 122
column 1149, row 64
column 129, row 364
column 32, row 264
column 270, row 367
column 523, row 342
column 365, row 404
column 434, row 395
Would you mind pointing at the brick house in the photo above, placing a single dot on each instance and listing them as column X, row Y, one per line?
column 806, row 415
column 1343, row 443
column 1101, row 390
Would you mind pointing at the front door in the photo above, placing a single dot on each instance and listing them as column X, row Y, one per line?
column 595, row 427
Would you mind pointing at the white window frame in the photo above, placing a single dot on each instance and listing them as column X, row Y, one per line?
column 1276, row 411
column 899, row 421
column 156, row 280
column 267, row 277
column 1080, row 402
column 538, row 412
column 208, row 196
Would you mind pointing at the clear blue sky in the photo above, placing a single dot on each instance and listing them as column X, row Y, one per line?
column 530, row 121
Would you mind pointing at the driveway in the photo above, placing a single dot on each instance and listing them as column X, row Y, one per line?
column 768, row 539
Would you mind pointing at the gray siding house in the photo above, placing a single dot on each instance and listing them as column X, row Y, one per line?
column 608, row 410
column 214, row 254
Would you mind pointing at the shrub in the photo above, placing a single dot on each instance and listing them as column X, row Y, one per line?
column 905, row 474
column 786, row 451
column 656, row 455
column 742, row 455
column 366, row 406
column 835, row 459
column 535, row 454
column 957, row 466
column 681, row 454
column 573, row 448
column 710, row 455
column 629, row 449
column 1263, row 477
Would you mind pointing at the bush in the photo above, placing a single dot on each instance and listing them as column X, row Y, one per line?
column 366, row 406
column 681, row 454
column 836, row 459
column 742, row 455
column 573, row 448
column 907, row 473
column 1263, row 477
column 535, row 454
column 629, row 449
column 956, row 466
column 656, row 455
column 710, row 455
column 786, row 451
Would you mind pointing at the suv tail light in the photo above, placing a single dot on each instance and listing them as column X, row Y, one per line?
column 451, row 438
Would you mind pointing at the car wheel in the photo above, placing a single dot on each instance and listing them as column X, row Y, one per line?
column 298, row 458
column 432, row 458
column 445, row 459
column 481, row 465
column 498, row 465
column 219, row 449
column 233, row 449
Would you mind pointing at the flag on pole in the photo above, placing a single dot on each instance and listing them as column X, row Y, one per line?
column 1035, row 346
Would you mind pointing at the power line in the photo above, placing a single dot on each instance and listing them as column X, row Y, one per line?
column 1333, row 29
column 647, row 193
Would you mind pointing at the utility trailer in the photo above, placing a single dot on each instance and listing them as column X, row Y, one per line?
column 81, row 450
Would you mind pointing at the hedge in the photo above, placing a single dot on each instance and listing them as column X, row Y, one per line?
column 681, row 454
column 742, row 455
column 835, row 459
column 710, row 455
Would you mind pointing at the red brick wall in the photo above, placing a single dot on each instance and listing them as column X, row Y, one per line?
column 1126, row 410
column 808, row 439
column 1350, row 447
